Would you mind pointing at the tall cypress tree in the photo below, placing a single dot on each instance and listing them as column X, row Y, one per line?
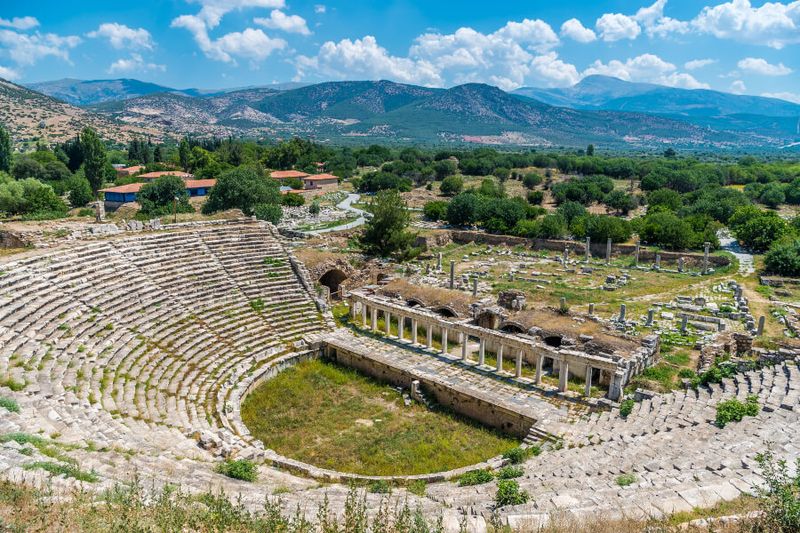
column 5, row 150
column 94, row 158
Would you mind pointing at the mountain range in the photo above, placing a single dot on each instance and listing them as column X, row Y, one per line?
column 605, row 111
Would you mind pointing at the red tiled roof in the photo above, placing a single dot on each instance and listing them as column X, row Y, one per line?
column 198, row 184
column 153, row 175
column 317, row 177
column 130, row 187
column 134, row 168
column 282, row 174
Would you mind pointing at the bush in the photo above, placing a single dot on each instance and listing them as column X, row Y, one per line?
column 475, row 477
column 292, row 199
column 29, row 197
column 626, row 479
column 380, row 486
column 626, row 407
column 783, row 258
column 381, row 181
column 509, row 493
column 80, row 192
column 269, row 212
column 509, row 472
column 239, row 469
column 532, row 180
column 9, row 405
column 452, row 185
column 463, row 209
column 435, row 210
column 734, row 411
column 158, row 197
column 516, row 455
column 314, row 208
column 779, row 498
column 535, row 197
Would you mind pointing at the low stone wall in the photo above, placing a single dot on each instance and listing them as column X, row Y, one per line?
column 476, row 408
column 576, row 247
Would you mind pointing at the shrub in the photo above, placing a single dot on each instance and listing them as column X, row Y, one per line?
column 509, row 472
column 475, row 477
column 9, row 404
column 626, row 479
column 783, row 259
column 435, row 210
column 626, row 407
column 314, row 208
column 239, row 469
column 80, row 192
column 535, row 197
column 452, row 185
column 292, row 199
column 380, row 486
column 269, row 212
column 463, row 209
column 779, row 498
column 734, row 411
column 516, row 455
column 242, row 188
column 158, row 197
column 532, row 180
column 509, row 493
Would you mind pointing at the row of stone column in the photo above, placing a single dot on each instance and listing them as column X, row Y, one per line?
column 463, row 340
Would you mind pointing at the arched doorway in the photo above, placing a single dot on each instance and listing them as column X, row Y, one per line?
column 333, row 279
column 512, row 327
column 446, row 311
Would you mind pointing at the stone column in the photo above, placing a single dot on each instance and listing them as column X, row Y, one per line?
column 684, row 322
column 650, row 313
column 706, row 248
column 539, row 365
column 500, row 358
column 452, row 274
column 482, row 352
column 760, row 330
column 400, row 326
column 374, row 319
column 658, row 261
column 439, row 262
column 388, row 317
column 608, row 251
column 636, row 260
column 622, row 309
column 429, row 336
column 414, row 331
column 444, row 341
column 353, row 311
column 563, row 374
column 518, row 369
column 588, row 391
column 464, row 346
column 566, row 255
column 680, row 264
column 363, row 314
column 591, row 309
column 615, row 387
column 588, row 248
column 475, row 286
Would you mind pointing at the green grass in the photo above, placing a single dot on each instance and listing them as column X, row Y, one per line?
column 9, row 404
column 59, row 469
column 333, row 417
column 240, row 469
column 626, row 479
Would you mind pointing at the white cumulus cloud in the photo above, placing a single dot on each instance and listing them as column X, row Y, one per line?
column 646, row 68
column 8, row 73
column 20, row 23
column 789, row 97
column 212, row 11
column 320, row 9
column 278, row 20
column 573, row 29
column 135, row 63
column 121, row 36
column 757, row 65
column 738, row 87
column 773, row 24
column 616, row 26
column 696, row 64
column 27, row 49
column 364, row 58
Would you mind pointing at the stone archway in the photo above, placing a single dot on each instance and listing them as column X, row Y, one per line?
column 512, row 327
column 333, row 279
column 446, row 311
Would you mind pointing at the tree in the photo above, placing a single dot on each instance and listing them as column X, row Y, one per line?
column 29, row 197
column 5, row 150
column 435, row 210
column 292, row 199
column 664, row 198
column 242, row 188
column 621, row 202
column 665, row 229
column 783, row 258
column 185, row 154
column 452, row 185
column 269, row 212
column 759, row 233
column 386, row 233
column 159, row 197
column 94, row 158
column 772, row 195
column 80, row 192
column 590, row 150
column 463, row 209
column 27, row 167
column 444, row 168
column 502, row 173
column 532, row 179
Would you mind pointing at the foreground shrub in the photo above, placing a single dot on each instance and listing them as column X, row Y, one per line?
column 783, row 259
column 734, row 411
column 516, row 455
column 239, row 469
column 626, row 479
column 475, row 477
column 626, row 407
column 380, row 486
column 435, row 210
column 509, row 493
column 779, row 498
column 509, row 472
column 9, row 405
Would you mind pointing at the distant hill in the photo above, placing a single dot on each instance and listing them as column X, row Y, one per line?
column 30, row 116
column 715, row 109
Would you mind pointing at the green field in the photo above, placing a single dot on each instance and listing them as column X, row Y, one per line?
column 333, row 417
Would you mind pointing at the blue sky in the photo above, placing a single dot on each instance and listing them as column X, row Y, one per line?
column 736, row 46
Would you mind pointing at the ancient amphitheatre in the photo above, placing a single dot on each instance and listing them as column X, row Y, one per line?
column 135, row 351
